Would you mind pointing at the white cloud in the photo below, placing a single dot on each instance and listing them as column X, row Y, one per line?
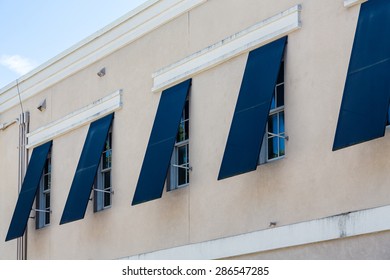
column 17, row 63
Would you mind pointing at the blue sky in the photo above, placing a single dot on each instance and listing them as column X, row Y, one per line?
column 33, row 31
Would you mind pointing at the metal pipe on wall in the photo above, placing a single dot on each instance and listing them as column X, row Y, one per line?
column 24, row 121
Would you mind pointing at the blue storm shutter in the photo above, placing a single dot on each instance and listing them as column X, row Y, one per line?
column 28, row 191
column 161, row 143
column 363, row 112
column 251, row 114
column 83, row 180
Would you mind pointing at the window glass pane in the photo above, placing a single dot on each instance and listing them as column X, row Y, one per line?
column 273, row 124
column 187, row 130
column 281, row 122
column 106, row 157
column 47, row 166
column 273, row 105
column 182, row 155
column 186, row 110
column 181, row 133
column 280, row 95
column 182, row 176
column 47, row 201
column 46, row 182
column 107, row 200
column 273, row 147
column 109, row 144
column 47, row 218
column 45, row 169
column 281, row 73
column 106, row 180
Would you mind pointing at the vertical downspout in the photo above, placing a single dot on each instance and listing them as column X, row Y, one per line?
column 24, row 120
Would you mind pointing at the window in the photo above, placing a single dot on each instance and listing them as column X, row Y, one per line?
column 43, row 198
column 250, row 118
column 273, row 146
column 157, row 161
column 103, row 187
column 179, row 168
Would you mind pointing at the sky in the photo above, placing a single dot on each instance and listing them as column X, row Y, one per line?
column 34, row 31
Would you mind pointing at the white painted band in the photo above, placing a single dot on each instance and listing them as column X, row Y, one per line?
column 90, row 113
column 255, row 36
column 330, row 228
column 350, row 3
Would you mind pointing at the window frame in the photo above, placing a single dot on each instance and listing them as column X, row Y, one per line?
column 99, row 189
column 264, row 152
column 173, row 172
column 43, row 213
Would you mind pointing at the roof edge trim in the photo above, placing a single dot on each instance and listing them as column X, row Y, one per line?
column 113, row 37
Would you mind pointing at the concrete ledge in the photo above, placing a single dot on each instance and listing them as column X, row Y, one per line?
column 253, row 37
column 86, row 115
column 329, row 228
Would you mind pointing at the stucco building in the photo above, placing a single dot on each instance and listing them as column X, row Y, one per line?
column 205, row 129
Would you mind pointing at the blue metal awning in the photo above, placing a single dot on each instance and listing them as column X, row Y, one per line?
column 161, row 143
column 28, row 191
column 83, row 180
column 252, row 109
column 365, row 103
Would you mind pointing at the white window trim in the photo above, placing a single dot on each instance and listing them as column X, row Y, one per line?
column 251, row 38
column 86, row 115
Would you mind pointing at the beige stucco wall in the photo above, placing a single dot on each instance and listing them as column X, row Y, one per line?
column 311, row 182
column 9, row 140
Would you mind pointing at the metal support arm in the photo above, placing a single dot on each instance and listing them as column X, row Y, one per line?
column 184, row 167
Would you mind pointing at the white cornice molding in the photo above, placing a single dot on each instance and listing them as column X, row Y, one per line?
column 350, row 3
column 330, row 228
column 253, row 37
column 125, row 30
column 88, row 114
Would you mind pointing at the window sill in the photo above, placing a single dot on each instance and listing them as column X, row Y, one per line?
column 275, row 159
column 272, row 160
column 178, row 187
column 42, row 227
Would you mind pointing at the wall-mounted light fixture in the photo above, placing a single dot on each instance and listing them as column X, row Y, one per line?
column 3, row 126
column 102, row 72
column 42, row 106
